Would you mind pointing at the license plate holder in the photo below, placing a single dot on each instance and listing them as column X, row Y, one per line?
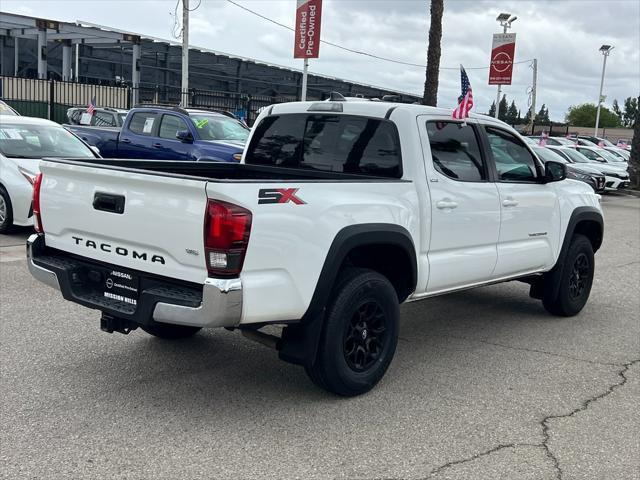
column 122, row 285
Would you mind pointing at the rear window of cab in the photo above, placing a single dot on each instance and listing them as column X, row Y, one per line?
column 327, row 142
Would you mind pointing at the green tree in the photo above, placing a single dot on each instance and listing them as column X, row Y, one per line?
column 585, row 116
column 503, row 106
column 630, row 112
column 492, row 109
column 542, row 118
column 430, row 96
column 512, row 113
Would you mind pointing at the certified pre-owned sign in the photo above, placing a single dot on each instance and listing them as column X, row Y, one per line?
column 502, row 56
column 307, row 37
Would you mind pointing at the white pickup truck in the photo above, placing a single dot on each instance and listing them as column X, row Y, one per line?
column 338, row 213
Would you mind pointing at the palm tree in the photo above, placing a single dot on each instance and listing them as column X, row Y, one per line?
column 634, row 161
column 433, row 54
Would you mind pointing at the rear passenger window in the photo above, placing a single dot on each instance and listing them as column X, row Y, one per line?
column 102, row 119
column 455, row 151
column 333, row 143
column 142, row 123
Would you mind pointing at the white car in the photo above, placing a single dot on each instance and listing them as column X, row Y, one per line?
column 601, row 155
column 23, row 142
column 615, row 177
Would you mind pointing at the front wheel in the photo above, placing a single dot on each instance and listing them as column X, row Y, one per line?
column 170, row 331
column 359, row 335
column 6, row 212
column 567, row 288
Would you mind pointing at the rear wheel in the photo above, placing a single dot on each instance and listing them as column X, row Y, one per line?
column 359, row 336
column 170, row 331
column 6, row 212
column 567, row 289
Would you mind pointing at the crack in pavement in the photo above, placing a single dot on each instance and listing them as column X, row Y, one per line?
column 480, row 455
column 545, row 422
column 546, row 434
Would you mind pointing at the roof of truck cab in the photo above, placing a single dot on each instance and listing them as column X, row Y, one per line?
column 374, row 109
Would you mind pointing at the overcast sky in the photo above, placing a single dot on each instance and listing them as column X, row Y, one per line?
column 564, row 35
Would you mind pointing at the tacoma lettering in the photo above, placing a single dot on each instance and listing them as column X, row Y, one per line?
column 122, row 251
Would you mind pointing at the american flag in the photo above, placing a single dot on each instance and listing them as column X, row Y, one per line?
column 465, row 101
column 92, row 106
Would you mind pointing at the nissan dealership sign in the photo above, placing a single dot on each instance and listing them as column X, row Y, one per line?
column 307, row 37
column 502, row 58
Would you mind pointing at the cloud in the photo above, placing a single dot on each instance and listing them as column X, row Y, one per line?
column 564, row 35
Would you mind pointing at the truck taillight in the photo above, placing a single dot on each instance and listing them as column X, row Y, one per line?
column 37, row 224
column 226, row 237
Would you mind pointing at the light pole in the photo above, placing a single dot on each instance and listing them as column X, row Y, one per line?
column 605, row 50
column 505, row 20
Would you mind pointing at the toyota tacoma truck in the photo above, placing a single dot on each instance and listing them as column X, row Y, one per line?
column 337, row 214
column 169, row 133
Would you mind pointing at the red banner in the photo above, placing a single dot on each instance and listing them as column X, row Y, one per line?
column 307, row 36
column 502, row 57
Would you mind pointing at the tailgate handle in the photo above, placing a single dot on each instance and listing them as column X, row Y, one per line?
column 108, row 202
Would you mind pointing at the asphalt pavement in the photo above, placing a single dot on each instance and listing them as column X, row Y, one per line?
column 484, row 385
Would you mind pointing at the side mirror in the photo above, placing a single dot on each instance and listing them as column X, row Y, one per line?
column 95, row 150
column 184, row 136
column 554, row 171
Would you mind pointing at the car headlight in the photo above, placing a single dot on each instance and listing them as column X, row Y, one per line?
column 578, row 176
column 31, row 177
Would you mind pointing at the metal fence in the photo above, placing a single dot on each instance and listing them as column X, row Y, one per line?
column 536, row 129
column 51, row 98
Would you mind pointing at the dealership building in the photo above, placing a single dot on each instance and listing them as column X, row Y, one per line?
column 150, row 67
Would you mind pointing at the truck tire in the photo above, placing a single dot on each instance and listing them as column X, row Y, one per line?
column 6, row 212
column 566, row 289
column 359, row 334
column 170, row 331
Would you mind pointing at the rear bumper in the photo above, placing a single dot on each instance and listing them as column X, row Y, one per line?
column 217, row 303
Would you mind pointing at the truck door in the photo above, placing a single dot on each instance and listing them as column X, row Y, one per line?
column 530, row 215
column 167, row 146
column 465, row 205
column 137, row 136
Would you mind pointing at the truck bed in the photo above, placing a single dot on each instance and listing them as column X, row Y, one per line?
column 222, row 171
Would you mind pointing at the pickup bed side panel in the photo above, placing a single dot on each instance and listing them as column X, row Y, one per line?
column 160, row 230
column 289, row 241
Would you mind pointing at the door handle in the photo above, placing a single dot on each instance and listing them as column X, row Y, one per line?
column 446, row 203
column 108, row 202
column 157, row 145
column 509, row 202
column 125, row 140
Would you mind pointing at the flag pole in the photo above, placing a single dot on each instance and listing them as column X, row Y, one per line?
column 305, row 70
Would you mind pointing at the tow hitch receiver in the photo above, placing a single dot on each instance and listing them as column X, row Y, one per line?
column 111, row 324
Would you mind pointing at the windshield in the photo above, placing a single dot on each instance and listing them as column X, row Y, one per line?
column 611, row 157
column 37, row 141
column 213, row 127
column 575, row 156
column 547, row 155
column 6, row 109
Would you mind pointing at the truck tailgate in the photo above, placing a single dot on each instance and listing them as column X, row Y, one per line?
column 159, row 229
